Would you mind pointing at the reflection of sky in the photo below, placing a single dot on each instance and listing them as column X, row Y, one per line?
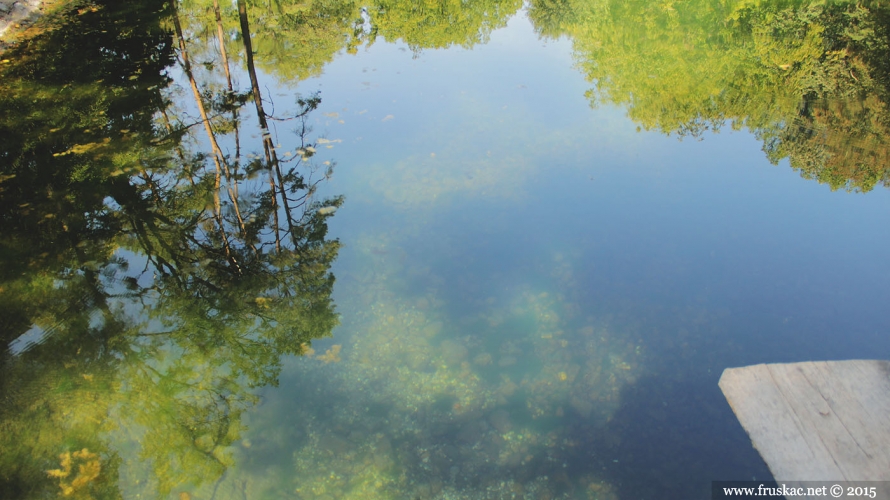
column 453, row 101
column 479, row 181
column 712, row 215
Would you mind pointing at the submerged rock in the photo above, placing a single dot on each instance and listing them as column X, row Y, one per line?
column 15, row 15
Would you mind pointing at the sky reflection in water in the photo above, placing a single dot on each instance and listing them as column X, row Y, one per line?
column 536, row 297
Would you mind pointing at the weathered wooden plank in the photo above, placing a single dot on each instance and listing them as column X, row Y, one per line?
column 817, row 420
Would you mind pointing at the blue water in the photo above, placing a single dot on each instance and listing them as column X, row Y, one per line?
column 537, row 298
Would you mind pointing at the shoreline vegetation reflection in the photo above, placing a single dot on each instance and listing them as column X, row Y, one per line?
column 152, row 280
column 810, row 79
column 165, row 251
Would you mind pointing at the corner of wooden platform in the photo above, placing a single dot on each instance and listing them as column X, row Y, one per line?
column 816, row 420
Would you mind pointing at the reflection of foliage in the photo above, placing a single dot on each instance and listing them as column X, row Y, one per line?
column 552, row 18
column 230, row 280
column 437, row 24
column 57, row 162
column 842, row 143
column 58, row 168
column 56, row 399
column 296, row 39
column 805, row 77
column 292, row 39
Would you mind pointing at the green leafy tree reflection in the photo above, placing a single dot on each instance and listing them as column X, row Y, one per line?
column 294, row 40
column 291, row 39
column 809, row 78
column 434, row 24
column 161, row 280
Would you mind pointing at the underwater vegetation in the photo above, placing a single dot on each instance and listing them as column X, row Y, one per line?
column 424, row 404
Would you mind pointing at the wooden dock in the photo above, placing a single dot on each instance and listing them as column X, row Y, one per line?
column 818, row 420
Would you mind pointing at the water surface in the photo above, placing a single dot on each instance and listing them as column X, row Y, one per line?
column 544, row 233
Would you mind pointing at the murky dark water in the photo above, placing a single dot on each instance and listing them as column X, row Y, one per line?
column 484, row 250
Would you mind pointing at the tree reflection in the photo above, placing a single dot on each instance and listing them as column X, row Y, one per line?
column 808, row 78
column 163, row 282
column 433, row 24
column 291, row 39
column 163, row 272
column 294, row 40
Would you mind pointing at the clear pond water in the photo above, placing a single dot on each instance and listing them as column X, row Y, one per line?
column 475, row 250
